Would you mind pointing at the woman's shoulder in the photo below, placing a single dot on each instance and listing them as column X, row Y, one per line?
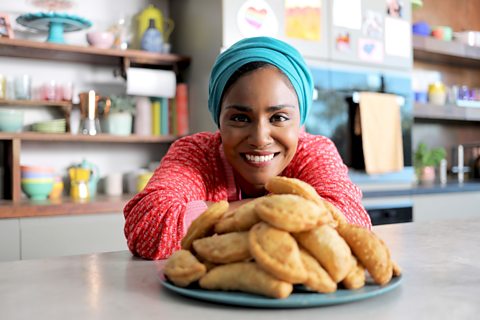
column 308, row 141
column 200, row 141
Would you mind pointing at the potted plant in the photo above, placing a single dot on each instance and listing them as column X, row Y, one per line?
column 120, row 117
column 426, row 160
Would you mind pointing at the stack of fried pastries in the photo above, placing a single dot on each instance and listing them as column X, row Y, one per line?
column 291, row 236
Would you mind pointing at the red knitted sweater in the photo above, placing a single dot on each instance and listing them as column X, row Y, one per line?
column 195, row 168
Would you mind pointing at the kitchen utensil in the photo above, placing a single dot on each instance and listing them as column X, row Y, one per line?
column 89, row 109
column 99, row 39
column 94, row 176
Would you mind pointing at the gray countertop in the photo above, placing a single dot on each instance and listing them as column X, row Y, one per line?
column 441, row 281
column 413, row 190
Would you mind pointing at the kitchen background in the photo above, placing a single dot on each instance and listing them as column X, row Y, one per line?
column 352, row 46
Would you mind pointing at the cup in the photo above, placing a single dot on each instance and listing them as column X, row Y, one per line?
column 23, row 87
column 114, row 184
column 9, row 88
column 50, row 90
column 2, row 86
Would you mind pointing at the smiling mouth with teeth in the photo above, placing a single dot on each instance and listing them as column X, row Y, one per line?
column 259, row 159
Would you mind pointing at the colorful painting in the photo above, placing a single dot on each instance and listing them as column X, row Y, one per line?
column 370, row 50
column 256, row 18
column 303, row 19
column 342, row 42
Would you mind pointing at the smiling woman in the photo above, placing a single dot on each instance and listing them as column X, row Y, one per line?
column 259, row 95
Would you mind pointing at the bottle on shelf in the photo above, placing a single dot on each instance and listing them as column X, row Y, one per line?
column 152, row 39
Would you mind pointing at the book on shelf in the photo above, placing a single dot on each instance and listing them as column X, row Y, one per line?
column 170, row 116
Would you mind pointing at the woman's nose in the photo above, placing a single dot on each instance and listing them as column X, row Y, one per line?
column 260, row 135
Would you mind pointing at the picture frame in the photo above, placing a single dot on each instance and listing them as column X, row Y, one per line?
column 5, row 26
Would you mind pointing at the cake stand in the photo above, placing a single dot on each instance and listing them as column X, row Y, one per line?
column 55, row 23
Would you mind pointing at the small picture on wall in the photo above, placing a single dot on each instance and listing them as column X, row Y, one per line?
column 394, row 8
column 5, row 26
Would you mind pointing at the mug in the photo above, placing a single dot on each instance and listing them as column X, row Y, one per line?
column 114, row 184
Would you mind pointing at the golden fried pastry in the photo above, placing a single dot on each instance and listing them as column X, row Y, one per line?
column 317, row 278
column 204, row 224
column 245, row 216
column 225, row 248
column 277, row 252
column 289, row 212
column 182, row 268
column 241, row 219
column 284, row 185
column 355, row 279
column 370, row 250
column 246, row 277
column 326, row 245
column 336, row 214
column 226, row 223
column 396, row 270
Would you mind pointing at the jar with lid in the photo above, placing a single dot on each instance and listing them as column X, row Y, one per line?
column 437, row 94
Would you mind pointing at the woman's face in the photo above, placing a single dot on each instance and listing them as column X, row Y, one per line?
column 259, row 125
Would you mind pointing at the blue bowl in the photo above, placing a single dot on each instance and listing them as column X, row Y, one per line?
column 35, row 175
column 421, row 28
column 37, row 191
column 11, row 120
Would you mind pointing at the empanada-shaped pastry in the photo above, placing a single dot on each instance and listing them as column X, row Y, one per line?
column 225, row 248
column 370, row 250
column 326, row 245
column 182, row 268
column 277, row 252
column 204, row 224
column 397, row 271
column 355, row 279
column 245, row 216
column 246, row 277
column 317, row 278
column 284, row 185
column 337, row 215
column 290, row 212
column 226, row 224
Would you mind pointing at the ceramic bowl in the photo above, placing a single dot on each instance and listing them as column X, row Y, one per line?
column 11, row 120
column 37, row 191
column 36, row 169
column 98, row 39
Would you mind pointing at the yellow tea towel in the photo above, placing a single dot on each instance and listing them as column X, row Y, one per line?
column 381, row 132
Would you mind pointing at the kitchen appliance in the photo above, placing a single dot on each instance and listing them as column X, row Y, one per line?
column 89, row 110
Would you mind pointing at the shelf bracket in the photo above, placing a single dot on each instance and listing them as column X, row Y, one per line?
column 125, row 64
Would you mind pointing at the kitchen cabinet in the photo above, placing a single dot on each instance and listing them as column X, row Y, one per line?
column 9, row 239
column 12, row 144
column 460, row 205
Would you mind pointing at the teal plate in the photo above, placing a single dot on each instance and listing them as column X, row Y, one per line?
column 300, row 298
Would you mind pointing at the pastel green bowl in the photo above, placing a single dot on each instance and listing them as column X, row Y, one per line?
column 11, row 120
column 37, row 191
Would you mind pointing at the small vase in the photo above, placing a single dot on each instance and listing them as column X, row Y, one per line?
column 120, row 123
column 427, row 175
column 152, row 39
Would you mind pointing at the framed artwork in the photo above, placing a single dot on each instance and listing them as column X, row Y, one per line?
column 5, row 26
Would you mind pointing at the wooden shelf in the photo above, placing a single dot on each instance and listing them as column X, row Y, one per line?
column 101, row 138
column 429, row 49
column 72, row 53
column 448, row 112
column 64, row 206
column 36, row 103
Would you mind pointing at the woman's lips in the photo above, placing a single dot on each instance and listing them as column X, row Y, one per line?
column 259, row 160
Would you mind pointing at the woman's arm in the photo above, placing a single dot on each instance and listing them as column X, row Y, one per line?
column 155, row 218
column 320, row 165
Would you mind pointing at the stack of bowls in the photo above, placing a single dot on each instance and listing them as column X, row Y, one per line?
column 37, row 182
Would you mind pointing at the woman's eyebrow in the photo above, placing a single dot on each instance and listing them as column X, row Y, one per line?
column 269, row 109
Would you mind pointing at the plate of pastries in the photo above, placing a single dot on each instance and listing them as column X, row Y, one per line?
column 288, row 249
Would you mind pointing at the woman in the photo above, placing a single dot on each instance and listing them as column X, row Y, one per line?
column 259, row 95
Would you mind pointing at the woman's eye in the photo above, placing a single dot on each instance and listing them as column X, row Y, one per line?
column 279, row 118
column 239, row 118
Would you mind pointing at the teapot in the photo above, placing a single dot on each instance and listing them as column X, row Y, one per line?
column 165, row 26
column 79, row 183
column 94, row 176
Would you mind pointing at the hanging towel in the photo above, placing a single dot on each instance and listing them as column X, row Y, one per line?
column 381, row 132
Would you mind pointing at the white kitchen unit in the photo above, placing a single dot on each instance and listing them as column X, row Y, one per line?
column 9, row 239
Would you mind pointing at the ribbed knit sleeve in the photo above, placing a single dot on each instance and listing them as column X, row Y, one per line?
column 154, row 218
column 318, row 163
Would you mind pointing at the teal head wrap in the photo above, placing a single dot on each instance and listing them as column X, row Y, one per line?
column 265, row 49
